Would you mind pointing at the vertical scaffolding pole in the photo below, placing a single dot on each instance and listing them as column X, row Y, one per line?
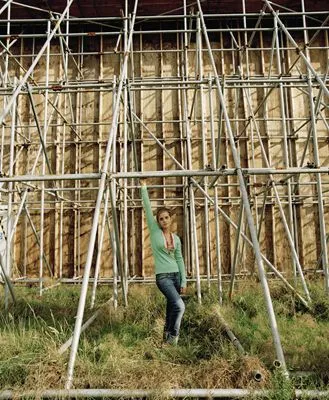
column 26, row 191
column 187, row 236
column 236, row 251
column 204, row 151
column 134, row 163
column 125, row 265
column 44, row 158
column 117, row 257
column 62, row 164
column 104, row 173
column 322, row 225
column 115, row 248
column 194, row 237
column 279, row 203
column 4, row 83
column 10, row 200
column 100, row 246
column 253, row 180
column 290, row 222
column 244, row 194
column 216, row 214
column 99, row 166
column 119, row 264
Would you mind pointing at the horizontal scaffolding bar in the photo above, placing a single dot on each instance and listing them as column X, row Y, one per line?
column 44, row 178
column 162, row 31
column 78, row 20
column 164, row 174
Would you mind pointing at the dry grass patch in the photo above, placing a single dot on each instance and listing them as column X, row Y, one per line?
column 123, row 349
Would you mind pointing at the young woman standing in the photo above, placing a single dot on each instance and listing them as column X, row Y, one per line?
column 169, row 265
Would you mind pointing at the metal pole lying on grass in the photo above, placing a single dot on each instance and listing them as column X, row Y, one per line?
column 228, row 331
column 172, row 393
column 65, row 346
column 104, row 174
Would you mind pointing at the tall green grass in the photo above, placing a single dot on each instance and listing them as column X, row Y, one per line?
column 123, row 348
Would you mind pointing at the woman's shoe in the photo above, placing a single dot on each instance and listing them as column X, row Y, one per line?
column 173, row 340
column 165, row 336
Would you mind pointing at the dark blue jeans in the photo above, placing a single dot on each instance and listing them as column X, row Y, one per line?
column 169, row 285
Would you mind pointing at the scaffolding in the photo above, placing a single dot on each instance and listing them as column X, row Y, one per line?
column 225, row 114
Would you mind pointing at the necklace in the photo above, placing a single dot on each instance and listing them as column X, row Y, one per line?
column 169, row 241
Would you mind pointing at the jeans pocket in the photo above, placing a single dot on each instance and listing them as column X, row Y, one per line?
column 160, row 277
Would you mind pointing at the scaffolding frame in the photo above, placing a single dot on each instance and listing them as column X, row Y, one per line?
column 223, row 179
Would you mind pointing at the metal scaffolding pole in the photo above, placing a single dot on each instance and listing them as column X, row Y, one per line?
column 39, row 242
column 4, row 79
column 84, row 288
column 221, row 172
column 279, row 203
column 24, row 194
column 99, row 249
column 205, row 163
column 150, row 393
column 34, row 63
column 8, row 267
column 236, row 251
column 322, row 224
column 187, row 130
column 186, row 133
column 6, row 279
column 192, row 216
column 227, row 218
column 244, row 194
column 303, row 56
column 124, row 157
column 288, row 221
column 216, row 215
column 43, row 140
column 3, row 8
column 116, row 235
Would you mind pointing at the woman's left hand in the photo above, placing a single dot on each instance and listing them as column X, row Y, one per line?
column 183, row 290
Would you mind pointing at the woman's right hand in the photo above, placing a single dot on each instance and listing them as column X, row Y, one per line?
column 142, row 181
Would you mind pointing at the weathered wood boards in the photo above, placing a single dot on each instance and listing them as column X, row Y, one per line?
column 172, row 92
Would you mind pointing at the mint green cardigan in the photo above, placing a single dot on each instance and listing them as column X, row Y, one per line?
column 165, row 260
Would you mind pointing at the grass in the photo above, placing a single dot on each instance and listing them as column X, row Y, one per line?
column 122, row 349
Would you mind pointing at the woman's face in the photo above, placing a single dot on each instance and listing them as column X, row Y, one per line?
column 164, row 220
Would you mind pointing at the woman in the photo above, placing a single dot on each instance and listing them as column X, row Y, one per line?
column 169, row 265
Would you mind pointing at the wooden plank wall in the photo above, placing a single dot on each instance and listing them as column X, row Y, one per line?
column 76, row 140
